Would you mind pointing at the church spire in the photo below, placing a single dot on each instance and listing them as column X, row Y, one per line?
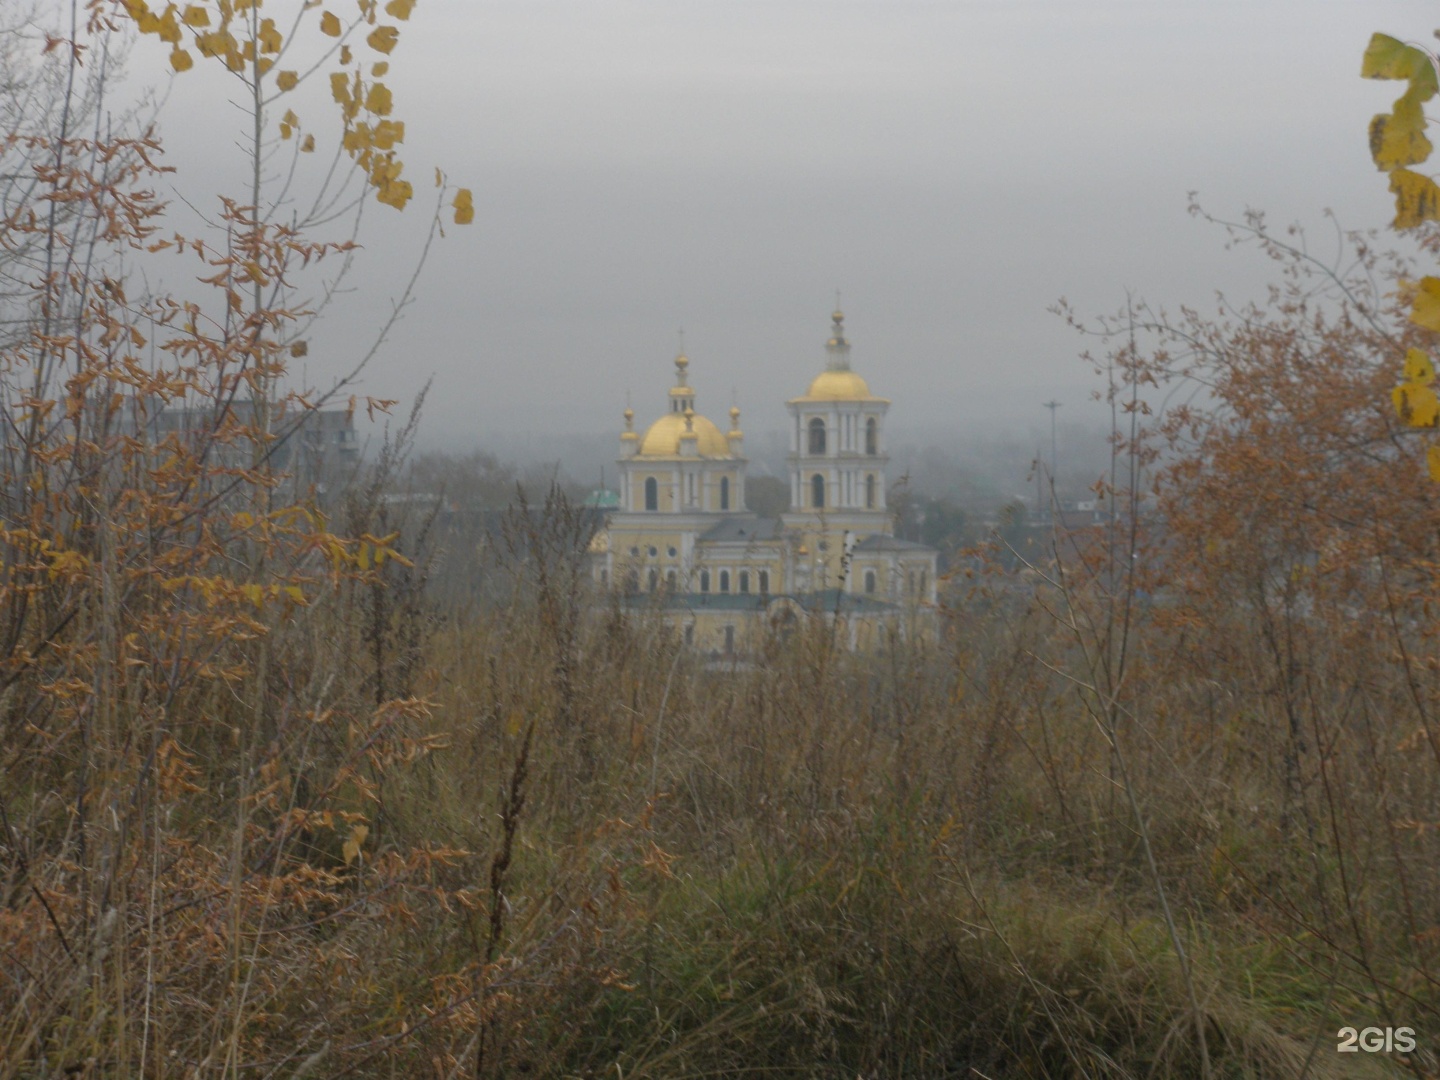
column 837, row 347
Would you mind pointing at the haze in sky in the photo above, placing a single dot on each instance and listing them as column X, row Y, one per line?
column 953, row 168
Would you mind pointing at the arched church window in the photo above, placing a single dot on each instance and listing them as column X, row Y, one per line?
column 869, row 581
column 724, row 493
column 670, row 580
column 724, row 580
column 817, row 436
column 704, row 580
column 870, row 492
column 744, row 581
column 764, row 581
column 654, row 579
column 652, row 493
column 872, row 437
column 817, row 491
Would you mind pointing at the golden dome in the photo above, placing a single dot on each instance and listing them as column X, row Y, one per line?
column 663, row 438
column 833, row 385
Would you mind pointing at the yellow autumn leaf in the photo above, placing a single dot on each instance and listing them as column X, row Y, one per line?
column 464, row 207
column 211, row 44
column 270, row 39
column 1418, row 368
column 351, row 847
column 307, row 144
column 346, row 55
column 339, row 87
column 181, row 60
column 382, row 39
column 287, row 80
column 388, row 133
column 1432, row 462
column 1416, row 405
column 1425, row 309
column 195, row 16
column 400, row 8
column 380, row 69
column 378, row 101
column 439, row 177
column 1389, row 58
column 329, row 24
column 1417, row 198
column 169, row 28
column 384, row 169
column 285, row 130
column 1399, row 138
column 395, row 193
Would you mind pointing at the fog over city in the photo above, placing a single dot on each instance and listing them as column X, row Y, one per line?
column 952, row 169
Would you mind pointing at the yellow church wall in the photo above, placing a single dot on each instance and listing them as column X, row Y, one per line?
column 665, row 490
column 712, row 489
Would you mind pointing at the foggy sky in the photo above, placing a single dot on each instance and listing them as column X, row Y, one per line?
column 952, row 168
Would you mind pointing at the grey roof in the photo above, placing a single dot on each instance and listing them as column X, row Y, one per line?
column 878, row 542
column 836, row 600
column 827, row 601
column 700, row 601
column 742, row 528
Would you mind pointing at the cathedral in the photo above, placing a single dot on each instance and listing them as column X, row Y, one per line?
column 682, row 541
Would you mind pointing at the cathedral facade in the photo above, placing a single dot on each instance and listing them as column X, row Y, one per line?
column 681, row 539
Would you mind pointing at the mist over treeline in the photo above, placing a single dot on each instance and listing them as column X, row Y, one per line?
column 979, row 469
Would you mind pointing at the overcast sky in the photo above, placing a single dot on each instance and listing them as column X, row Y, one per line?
column 954, row 168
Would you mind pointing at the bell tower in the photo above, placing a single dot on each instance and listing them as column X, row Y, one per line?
column 837, row 440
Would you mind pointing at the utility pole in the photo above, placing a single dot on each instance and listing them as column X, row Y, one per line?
column 1052, row 406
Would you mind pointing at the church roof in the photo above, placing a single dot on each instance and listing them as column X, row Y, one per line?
column 878, row 542
column 668, row 436
column 664, row 435
column 742, row 528
column 838, row 386
column 837, row 382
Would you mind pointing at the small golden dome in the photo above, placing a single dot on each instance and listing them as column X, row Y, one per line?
column 663, row 437
column 831, row 385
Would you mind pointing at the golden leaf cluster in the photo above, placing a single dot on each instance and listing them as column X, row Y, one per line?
column 1397, row 141
column 1397, row 138
column 232, row 33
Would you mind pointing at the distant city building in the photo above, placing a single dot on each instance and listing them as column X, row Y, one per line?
column 315, row 449
column 681, row 538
